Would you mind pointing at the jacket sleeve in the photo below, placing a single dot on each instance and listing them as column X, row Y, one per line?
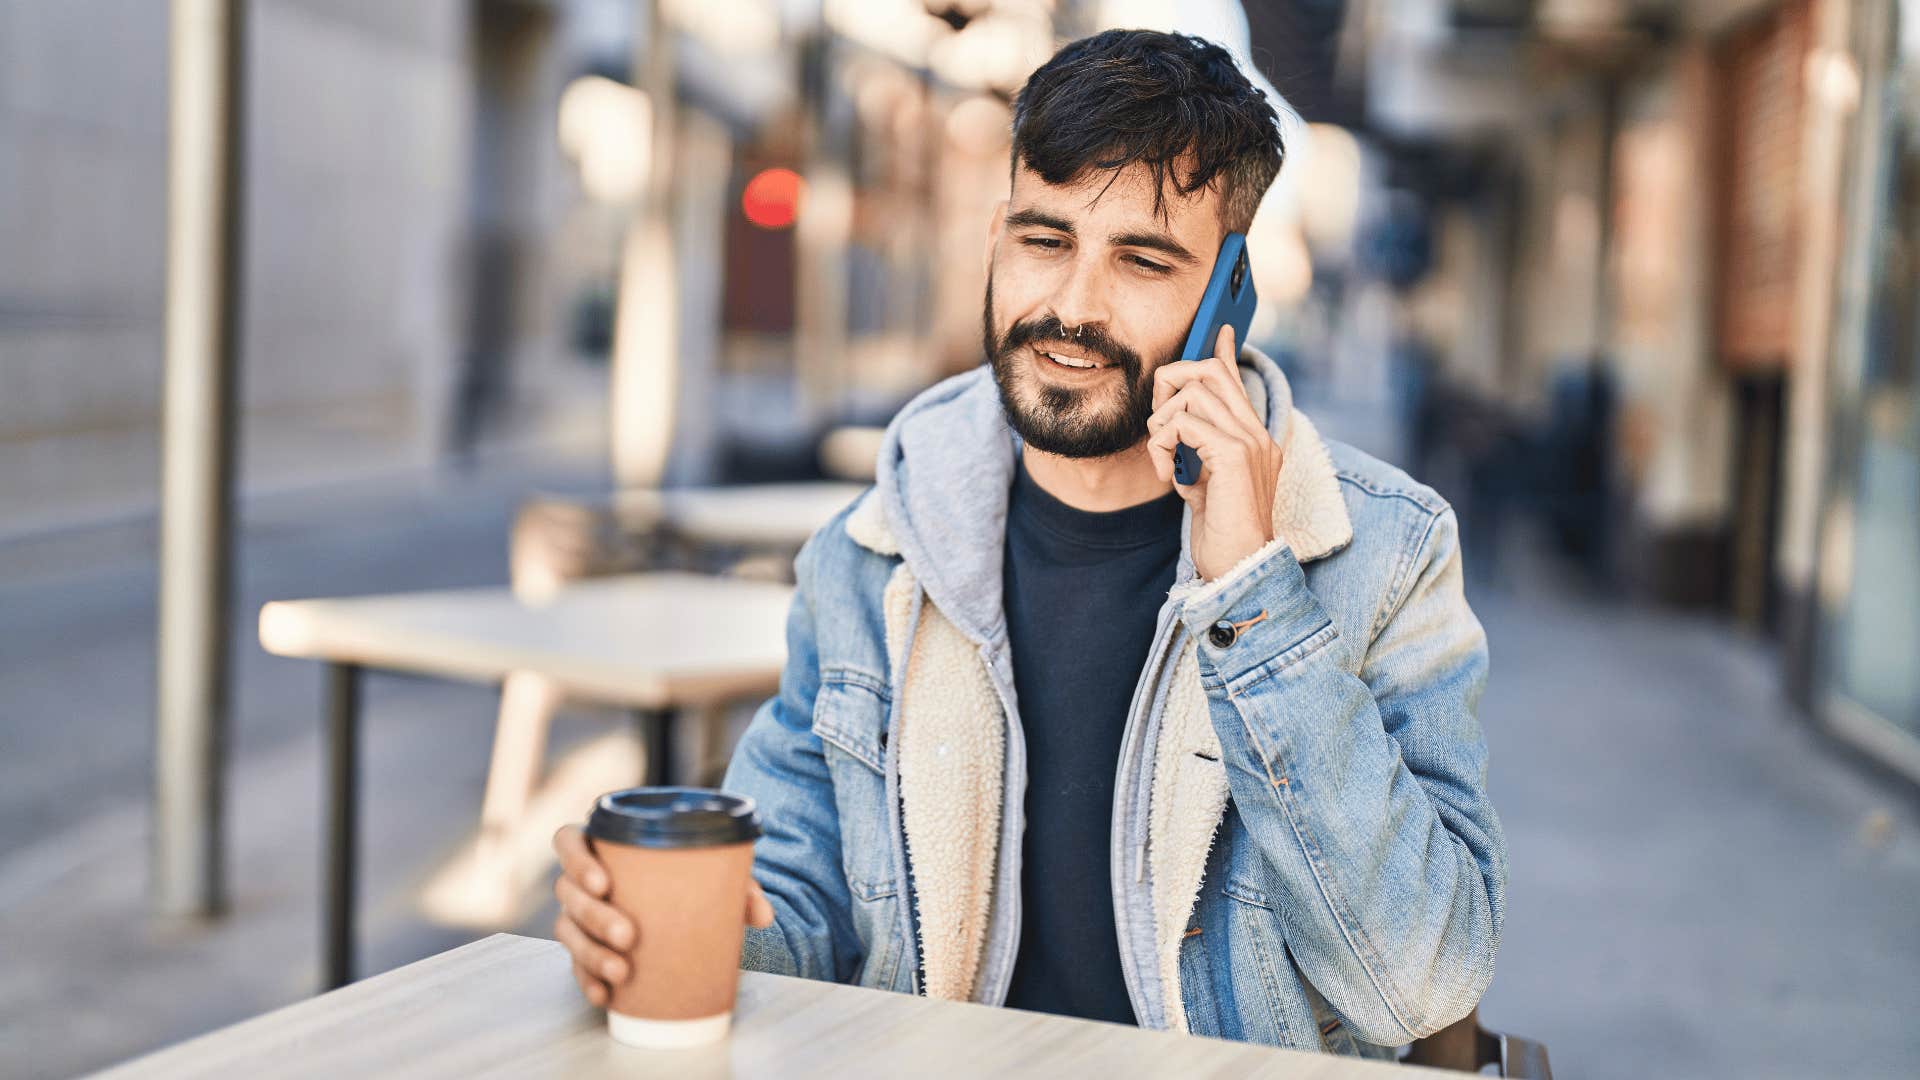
column 1366, row 793
column 779, row 763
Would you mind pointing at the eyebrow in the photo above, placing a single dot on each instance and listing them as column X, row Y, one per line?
column 1154, row 241
column 1138, row 238
column 1031, row 218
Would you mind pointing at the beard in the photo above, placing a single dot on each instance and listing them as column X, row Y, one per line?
column 1086, row 422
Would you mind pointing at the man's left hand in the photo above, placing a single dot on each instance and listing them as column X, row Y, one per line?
column 1202, row 403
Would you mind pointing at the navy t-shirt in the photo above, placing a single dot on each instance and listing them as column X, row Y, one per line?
column 1082, row 593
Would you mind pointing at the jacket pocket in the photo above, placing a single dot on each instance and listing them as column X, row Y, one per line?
column 850, row 715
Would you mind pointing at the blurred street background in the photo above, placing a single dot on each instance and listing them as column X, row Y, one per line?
column 1634, row 283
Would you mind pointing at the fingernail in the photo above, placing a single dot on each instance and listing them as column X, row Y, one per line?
column 621, row 935
column 611, row 969
column 596, row 882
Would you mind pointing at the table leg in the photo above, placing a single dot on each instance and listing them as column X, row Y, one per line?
column 527, row 703
column 656, row 735
column 342, row 767
column 709, row 740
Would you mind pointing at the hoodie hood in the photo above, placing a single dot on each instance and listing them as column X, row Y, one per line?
column 946, row 464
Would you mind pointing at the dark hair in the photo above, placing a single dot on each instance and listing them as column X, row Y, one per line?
column 1127, row 96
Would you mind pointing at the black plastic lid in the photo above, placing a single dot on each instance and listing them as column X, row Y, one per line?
column 673, row 817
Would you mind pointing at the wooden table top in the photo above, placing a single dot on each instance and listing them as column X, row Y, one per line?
column 652, row 640
column 507, row 1006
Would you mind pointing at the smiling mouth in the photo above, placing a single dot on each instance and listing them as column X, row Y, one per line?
column 1071, row 362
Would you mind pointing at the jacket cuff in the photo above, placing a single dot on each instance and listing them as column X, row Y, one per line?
column 1259, row 614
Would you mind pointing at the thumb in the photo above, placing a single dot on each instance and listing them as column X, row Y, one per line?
column 759, row 908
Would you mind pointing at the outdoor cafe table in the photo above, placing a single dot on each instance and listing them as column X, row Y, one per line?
column 507, row 1006
column 653, row 643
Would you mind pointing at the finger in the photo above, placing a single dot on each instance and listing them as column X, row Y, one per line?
column 1221, row 375
column 591, row 986
column 1164, row 437
column 606, row 923
column 1214, row 446
column 1166, row 380
column 588, row 953
column 1223, row 344
column 759, row 908
column 1160, row 417
column 1164, row 444
column 1161, row 457
column 1200, row 399
column 1174, row 374
column 1224, row 376
column 578, row 862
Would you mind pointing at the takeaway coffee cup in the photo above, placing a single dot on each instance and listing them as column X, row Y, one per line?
column 679, row 860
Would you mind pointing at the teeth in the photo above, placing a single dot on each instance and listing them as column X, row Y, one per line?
column 1072, row 361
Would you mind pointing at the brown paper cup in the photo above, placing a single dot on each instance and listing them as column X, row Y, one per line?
column 679, row 860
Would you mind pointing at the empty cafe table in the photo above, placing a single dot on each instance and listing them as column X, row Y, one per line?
column 653, row 643
column 507, row 1006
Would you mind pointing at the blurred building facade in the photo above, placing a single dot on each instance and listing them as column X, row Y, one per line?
column 1681, row 228
column 402, row 195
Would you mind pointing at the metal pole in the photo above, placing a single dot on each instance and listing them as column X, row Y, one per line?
column 196, row 485
column 342, row 796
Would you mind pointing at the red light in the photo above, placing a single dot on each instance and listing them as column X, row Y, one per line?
column 772, row 198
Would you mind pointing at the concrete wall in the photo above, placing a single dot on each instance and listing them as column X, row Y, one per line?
column 357, row 203
column 82, row 196
column 356, row 198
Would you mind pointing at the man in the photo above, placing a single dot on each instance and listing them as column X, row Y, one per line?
column 1058, row 733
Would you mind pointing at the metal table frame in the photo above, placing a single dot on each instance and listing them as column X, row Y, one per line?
column 341, row 795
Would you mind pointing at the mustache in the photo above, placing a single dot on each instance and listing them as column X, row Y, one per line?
column 1093, row 338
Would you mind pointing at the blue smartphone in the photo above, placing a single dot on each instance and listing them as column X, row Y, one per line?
column 1228, row 301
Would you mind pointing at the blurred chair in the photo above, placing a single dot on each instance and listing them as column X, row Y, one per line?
column 1465, row 1046
column 851, row 453
column 556, row 540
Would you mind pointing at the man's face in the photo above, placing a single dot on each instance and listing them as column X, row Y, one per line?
column 1088, row 292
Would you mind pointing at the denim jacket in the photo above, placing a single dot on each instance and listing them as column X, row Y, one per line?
column 1303, row 850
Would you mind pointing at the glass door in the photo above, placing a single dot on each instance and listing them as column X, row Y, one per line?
column 1872, row 573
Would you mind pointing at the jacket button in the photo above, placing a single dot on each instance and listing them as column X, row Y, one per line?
column 1222, row 634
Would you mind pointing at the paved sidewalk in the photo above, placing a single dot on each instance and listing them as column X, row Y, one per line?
column 1701, row 884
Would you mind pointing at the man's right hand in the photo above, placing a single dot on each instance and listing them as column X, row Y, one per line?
column 598, row 935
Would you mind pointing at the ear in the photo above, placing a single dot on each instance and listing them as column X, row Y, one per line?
column 994, row 225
